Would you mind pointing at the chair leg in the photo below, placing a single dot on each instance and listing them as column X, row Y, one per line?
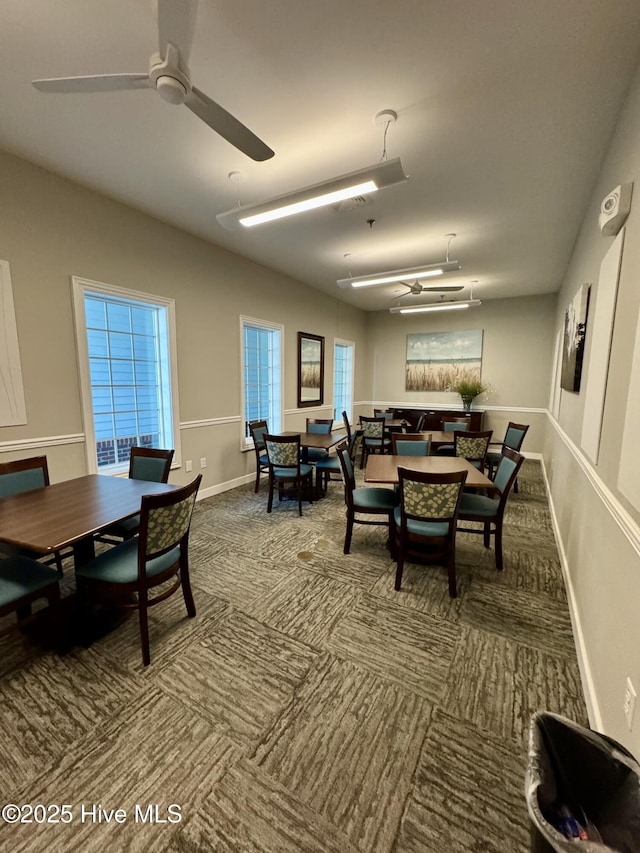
column 348, row 534
column 451, row 570
column 144, row 628
column 515, row 485
column 270, row 501
column 257, row 486
column 399, row 571
column 498, row 547
column 487, row 534
column 187, row 593
column 299, row 491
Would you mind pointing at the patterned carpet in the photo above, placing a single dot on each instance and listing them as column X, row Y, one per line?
column 308, row 708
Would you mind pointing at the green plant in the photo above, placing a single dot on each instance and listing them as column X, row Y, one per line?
column 468, row 388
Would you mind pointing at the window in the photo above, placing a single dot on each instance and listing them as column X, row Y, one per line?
column 343, row 379
column 129, row 388
column 261, row 374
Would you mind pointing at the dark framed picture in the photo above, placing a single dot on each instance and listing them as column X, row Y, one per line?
column 310, row 369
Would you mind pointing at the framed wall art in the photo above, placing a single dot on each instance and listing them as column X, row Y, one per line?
column 310, row 369
column 437, row 360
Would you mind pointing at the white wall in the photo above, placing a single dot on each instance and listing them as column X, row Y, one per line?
column 51, row 229
column 598, row 528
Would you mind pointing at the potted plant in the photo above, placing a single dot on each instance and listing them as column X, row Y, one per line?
column 468, row 389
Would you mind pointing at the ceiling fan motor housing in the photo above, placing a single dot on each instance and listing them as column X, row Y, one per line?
column 173, row 84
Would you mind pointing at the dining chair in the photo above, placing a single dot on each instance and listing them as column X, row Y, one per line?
column 331, row 464
column 422, row 419
column 410, row 444
column 451, row 425
column 424, row 524
column 23, row 581
column 374, row 439
column 368, row 500
column 347, row 425
column 145, row 463
column 23, row 475
column 513, row 438
column 286, row 471
column 127, row 574
column 489, row 511
column 257, row 430
column 318, row 426
column 472, row 446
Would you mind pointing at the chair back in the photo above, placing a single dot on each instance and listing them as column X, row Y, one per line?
column 257, row 430
column 383, row 413
column 283, row 451
column 22, row 475
column 472, row 446
column 346, row 469
column 430, row 497
column 347, row 425
column 372, row 427
column 319, row 426
column 514, row 435
column 421, row 422
column 164, row 523
column 150, row 463
column 454, row 424
column 505, row 476
column 409, row 445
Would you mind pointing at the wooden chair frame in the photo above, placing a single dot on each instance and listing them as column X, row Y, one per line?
column 491, row 461
column 296, row 480
column 409, row 436
column 367, row 449
column 259, row 449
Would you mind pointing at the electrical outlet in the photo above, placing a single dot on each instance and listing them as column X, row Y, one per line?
column 203, row 461
column 629, row 702
column 188, row 465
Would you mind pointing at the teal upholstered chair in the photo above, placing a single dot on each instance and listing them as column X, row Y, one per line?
column 451, row 425
column 472, row 446
column 329, row 466
column 145, row 463
column 23, row 581
column 424, row 524
column 318, row 426
column 367, row 501
column 286, row 472
column 409, row 445
column 489, row 511
column 258, row 430
column 128, row 573
column 374, row 439
column 23, row 475
column 514, row 438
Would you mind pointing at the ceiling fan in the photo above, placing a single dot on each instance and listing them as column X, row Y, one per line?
column 416, row 288
column 169, row 75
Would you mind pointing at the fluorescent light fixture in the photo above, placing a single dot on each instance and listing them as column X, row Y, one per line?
column 412, row 273
column 435, row 306
column 371, row 179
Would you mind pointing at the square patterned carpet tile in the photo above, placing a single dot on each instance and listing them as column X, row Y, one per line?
column 308, row 707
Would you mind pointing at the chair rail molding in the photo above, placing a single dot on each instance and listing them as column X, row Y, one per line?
column 46, row 441
column 207, row 422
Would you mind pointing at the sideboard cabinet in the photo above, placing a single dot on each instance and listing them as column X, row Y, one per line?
column 433, row 419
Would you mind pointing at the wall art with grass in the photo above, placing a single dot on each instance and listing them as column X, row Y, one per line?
column 438, row 360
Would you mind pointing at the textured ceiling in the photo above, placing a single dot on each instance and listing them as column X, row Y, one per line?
column 505, row 109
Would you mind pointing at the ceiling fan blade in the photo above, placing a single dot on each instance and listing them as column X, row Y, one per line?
column 97, row 83
column 449, row 288
column 176, row 26
column 227, row 126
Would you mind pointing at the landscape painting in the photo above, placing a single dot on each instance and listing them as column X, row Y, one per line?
column 575, row 329
column 437, row 360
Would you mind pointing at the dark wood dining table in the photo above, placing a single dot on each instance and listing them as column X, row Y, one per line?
column 68, row 514
column 437, row 437
column 383, row 468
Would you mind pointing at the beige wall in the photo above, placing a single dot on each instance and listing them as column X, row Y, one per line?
column 597, row 527
column 51, row 229
column 517, row 354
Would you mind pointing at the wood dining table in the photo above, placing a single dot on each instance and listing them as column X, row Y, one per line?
column 317, row 440
column 383, row 468
column 68, row 514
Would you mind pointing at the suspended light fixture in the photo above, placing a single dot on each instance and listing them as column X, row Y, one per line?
column 414, row 273
column 361, row 182
column 435, row 306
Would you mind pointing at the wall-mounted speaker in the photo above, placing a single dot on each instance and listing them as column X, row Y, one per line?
column 614, row 209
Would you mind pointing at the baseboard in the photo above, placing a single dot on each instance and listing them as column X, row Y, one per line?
column 591, row 701
column 218, row 488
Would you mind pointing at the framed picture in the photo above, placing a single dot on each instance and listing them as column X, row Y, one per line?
column 575, row 330
column 437, row 360
column 310, row 369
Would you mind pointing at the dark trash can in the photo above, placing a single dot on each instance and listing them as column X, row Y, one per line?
column 583, row 784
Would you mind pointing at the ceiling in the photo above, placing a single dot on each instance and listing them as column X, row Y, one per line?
column 505, row 109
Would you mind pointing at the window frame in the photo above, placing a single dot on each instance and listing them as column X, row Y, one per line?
column 246, row 442
column 349, row 409
column 82, row 286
